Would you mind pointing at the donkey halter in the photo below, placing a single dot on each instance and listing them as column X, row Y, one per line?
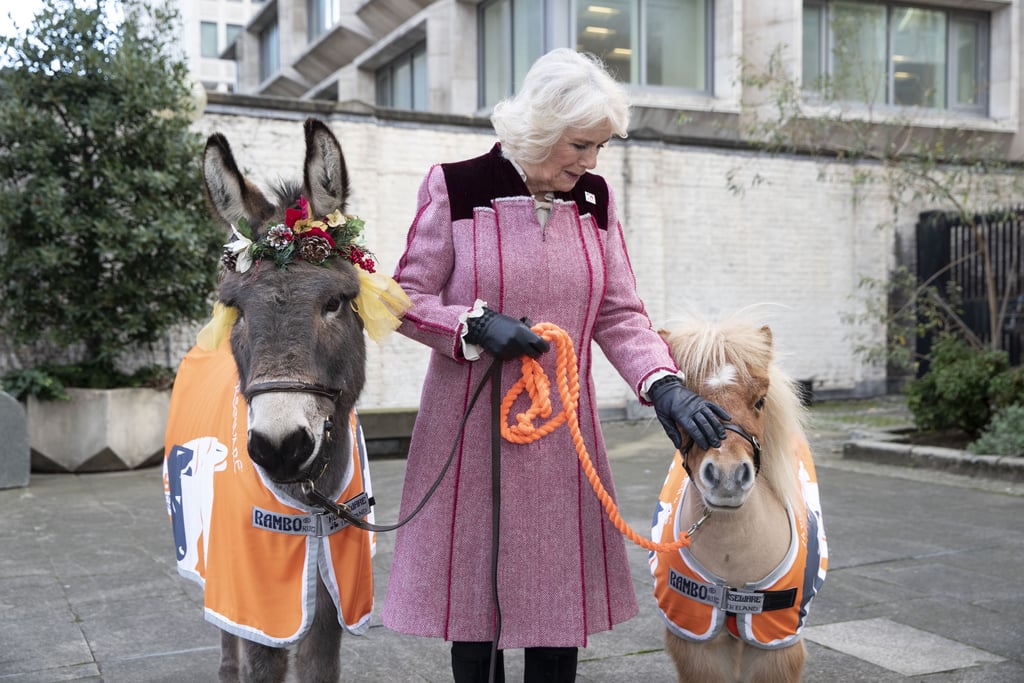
column 752, row 440
column 319, row 465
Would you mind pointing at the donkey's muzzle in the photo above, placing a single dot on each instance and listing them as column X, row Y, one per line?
column 285, row 459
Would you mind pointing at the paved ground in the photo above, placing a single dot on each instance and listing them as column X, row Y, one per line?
column 925, row 580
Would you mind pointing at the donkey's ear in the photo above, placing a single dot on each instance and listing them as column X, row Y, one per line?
column 766, row 332
column 326, row 176
column 231, row 196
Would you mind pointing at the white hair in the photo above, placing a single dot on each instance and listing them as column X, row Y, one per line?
column 564, row 89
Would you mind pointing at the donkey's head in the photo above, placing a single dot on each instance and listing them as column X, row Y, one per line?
column 297, row 340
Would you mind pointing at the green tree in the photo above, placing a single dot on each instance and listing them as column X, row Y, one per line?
column 105, row 242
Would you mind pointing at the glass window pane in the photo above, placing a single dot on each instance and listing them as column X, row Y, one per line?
column 858, row 52
column 606, row 28
column 496, row 18
column 527, row 36
column 384, row 87
column 812, row 39
column 402, row 85
column 967, row 43
column 676, row 48
column 919, row 57
column 208, row 39
column 269, row 52
column 419, row 79
column 231, row 32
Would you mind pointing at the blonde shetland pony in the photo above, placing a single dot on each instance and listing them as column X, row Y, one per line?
column 735, row 600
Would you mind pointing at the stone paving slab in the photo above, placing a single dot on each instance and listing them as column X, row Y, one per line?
column 897, row 647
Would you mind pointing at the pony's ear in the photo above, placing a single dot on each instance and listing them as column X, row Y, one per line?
column 766, row 333
column 230, row 195
column 665, row 334
column 326, row 176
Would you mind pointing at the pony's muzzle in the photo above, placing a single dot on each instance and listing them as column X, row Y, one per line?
column 726, row 484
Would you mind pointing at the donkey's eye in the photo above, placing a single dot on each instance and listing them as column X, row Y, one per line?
column 333, row 305
column 239, row 313
column 759, row 404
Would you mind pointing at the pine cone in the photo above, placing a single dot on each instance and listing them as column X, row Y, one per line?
column 229, row 259
column 279, row 236
column 315, row 249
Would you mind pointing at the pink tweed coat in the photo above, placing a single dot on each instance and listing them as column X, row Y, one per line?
column 563, row 571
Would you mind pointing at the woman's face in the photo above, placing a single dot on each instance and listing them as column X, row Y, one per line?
column 573, row 155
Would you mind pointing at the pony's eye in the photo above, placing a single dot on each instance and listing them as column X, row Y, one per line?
column 333, row 305
column 759, row 404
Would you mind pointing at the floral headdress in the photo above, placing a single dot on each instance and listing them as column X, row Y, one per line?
column 380, row 302
column 300, row 237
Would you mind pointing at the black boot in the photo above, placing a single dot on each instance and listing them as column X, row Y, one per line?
column 550, row 664
column 471, row 663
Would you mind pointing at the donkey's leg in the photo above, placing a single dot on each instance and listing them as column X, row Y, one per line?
column 228, row 672
column 316, row 658
column 263, row 664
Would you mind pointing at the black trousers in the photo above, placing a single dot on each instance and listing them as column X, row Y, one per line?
column 471, row 664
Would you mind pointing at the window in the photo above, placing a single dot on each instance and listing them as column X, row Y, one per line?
column 402, row 83
column 208, row 39
column 929, row 57
column 643, row 42
column 323, row 14
column 232, row 31
column 649, row 42
column 270, row 52
column 512, row 38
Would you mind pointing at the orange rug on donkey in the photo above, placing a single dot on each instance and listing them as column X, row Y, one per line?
column 256, row 552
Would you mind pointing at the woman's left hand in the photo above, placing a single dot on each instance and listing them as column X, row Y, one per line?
column 700, row 418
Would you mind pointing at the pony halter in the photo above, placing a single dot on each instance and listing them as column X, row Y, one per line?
column 752, row 440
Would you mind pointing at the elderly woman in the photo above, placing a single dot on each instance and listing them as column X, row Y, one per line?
column 525, row 231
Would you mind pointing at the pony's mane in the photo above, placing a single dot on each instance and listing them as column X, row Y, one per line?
column 701, row 348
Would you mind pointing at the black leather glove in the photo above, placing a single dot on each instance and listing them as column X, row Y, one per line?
column 677, row 406
column 504, row 337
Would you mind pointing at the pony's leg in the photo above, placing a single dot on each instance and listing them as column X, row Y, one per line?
column 710, row 662
column 228, row 672
column 774, row 666
column 263, row 664
column 316, row 658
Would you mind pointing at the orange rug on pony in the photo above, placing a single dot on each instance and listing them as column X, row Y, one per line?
column 256, row 552
column 769, row 613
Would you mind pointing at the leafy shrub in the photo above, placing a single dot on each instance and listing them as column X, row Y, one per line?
column 955, row 393
column 1005, row 435
column 1007, row 388
column 34, row 382
column 48, row 382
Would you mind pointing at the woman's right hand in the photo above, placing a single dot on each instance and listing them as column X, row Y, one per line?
column 504, row 337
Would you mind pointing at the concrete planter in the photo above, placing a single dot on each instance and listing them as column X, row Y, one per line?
column 98, row 430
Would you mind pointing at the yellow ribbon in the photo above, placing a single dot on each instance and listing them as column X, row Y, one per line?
column 219, row 327
column 381, row 303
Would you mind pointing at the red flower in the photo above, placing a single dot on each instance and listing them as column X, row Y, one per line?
column 292, row 215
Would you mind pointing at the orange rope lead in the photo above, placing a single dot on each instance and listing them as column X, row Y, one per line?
column 538, row 387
